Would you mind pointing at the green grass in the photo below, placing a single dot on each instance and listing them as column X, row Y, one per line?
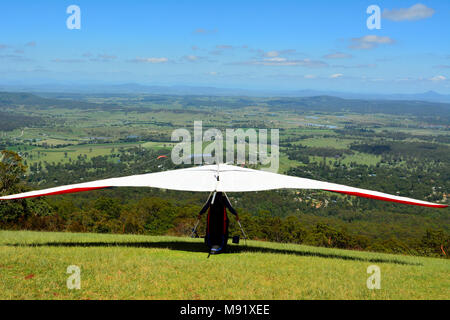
column 320, row 142
column 33, row 266
column 357, row 157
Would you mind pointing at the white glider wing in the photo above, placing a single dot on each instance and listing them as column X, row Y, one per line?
column 225, row 178
column 200, row 179
column 236, row 179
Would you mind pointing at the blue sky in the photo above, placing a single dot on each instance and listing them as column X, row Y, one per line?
column 287, row 45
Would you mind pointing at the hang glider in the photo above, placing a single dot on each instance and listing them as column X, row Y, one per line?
column 220, row 178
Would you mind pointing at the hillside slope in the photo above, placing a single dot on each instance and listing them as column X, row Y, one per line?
column 34, row 264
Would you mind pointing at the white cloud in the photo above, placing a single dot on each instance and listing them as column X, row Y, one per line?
column 338, row 55
column 220, row 48
column 149, row 60
column 57, row 60
column 107, row 56
column 280, row 61
column 191, row 58
column 276, row 53
column 438, row 78
column 272, row 54
column 102, row 58
column 195, row 59
column 276, row 59
column 336, row 75
column 358, row 66
column 406, row 79
column 310, row 76
column 370, row 42
column 416, row 12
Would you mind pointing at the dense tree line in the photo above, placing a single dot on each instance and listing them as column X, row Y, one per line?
column 10, row 121
column 409, row 151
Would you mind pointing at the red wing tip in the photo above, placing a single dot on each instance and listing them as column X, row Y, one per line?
column 73, row 190
column 370, row 196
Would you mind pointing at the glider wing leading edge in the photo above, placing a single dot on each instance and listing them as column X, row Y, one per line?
column 224, row 178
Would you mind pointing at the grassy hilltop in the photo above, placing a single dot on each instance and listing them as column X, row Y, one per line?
column 33, row 266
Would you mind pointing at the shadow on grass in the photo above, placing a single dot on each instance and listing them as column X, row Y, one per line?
column 201, row 247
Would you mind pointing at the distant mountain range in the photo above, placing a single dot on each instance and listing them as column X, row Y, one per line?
column 426, row 96
column 135, row 88
column 440, row 111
